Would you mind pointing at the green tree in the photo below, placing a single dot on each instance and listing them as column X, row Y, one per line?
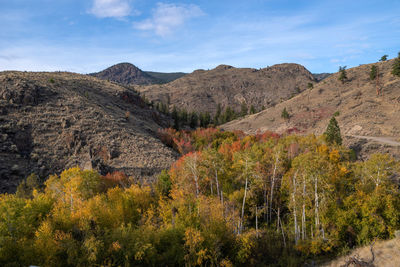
column 342, row 74
column 217, row 116
column 193, row 120
column 243, row 109
column 384, row 58
column 373, row 73
column 229, row 114
column 285, row 115
column 183, row 116
column 164, row 184
column 205, row 119
column 26, row 187
column 175, row 117
column 252, row 110
column 332, row 133
column 396, row 66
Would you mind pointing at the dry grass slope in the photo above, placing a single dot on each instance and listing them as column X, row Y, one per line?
column 387, row 254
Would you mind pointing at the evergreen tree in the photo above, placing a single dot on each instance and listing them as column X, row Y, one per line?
column 193, row 120
column 205, row 119
column 243, row 109
column 342, row 74
column 252, row 110
column 396, row 66
column 229, row 114
column 175, row 117
column 373, row 72
column 332, row 133
column 183, row 116
column 285, row 115
column 218, row 114
column 384, row 58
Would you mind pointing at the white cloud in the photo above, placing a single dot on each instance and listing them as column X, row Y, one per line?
column 167, row 17
column 110, row 8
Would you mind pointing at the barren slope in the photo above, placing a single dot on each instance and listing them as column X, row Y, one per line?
column 386, row 254
column 52, row 121
column 204, row 90
column 362, row 112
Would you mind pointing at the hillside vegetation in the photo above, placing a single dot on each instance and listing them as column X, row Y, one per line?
column 230, row 200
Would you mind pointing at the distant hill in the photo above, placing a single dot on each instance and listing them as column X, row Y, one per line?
column 320, row 76
column 53, row 121
column 125, row 73
column 203, row 90
column 129, row 74
column 164, row 77
column 369, row 122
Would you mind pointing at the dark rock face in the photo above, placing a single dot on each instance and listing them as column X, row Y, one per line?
column 53, row 121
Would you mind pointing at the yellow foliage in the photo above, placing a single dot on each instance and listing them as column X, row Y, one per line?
column 334, row 155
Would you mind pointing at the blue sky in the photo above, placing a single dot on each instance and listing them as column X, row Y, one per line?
column 88, row 36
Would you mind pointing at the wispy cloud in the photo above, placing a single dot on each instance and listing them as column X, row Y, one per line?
column 110, row 8
column 166, row 18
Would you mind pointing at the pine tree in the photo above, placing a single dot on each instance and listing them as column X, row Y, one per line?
column 373, row 72
column 175, row 117
column 343, row 74
column 384, row 58
column 332, row 133
column 218, row 115
column 252, row 110
column 396, row 66
column 285, row 115
column 193, row 120
column 243, row 109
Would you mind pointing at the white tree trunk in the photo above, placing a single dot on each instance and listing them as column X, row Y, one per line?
column 272, row 186
column 294, row 209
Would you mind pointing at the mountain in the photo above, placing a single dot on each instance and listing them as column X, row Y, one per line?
column 203, row 90
column 127, row 73
column 53, row 121
column 369, row 122
column 320, row 76
column 165, row 77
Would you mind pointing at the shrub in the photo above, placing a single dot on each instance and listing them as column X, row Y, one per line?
column 285, row 115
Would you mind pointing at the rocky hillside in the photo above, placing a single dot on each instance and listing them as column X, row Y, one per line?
column 370, row 122
column 204, row 90
column 52, row 121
